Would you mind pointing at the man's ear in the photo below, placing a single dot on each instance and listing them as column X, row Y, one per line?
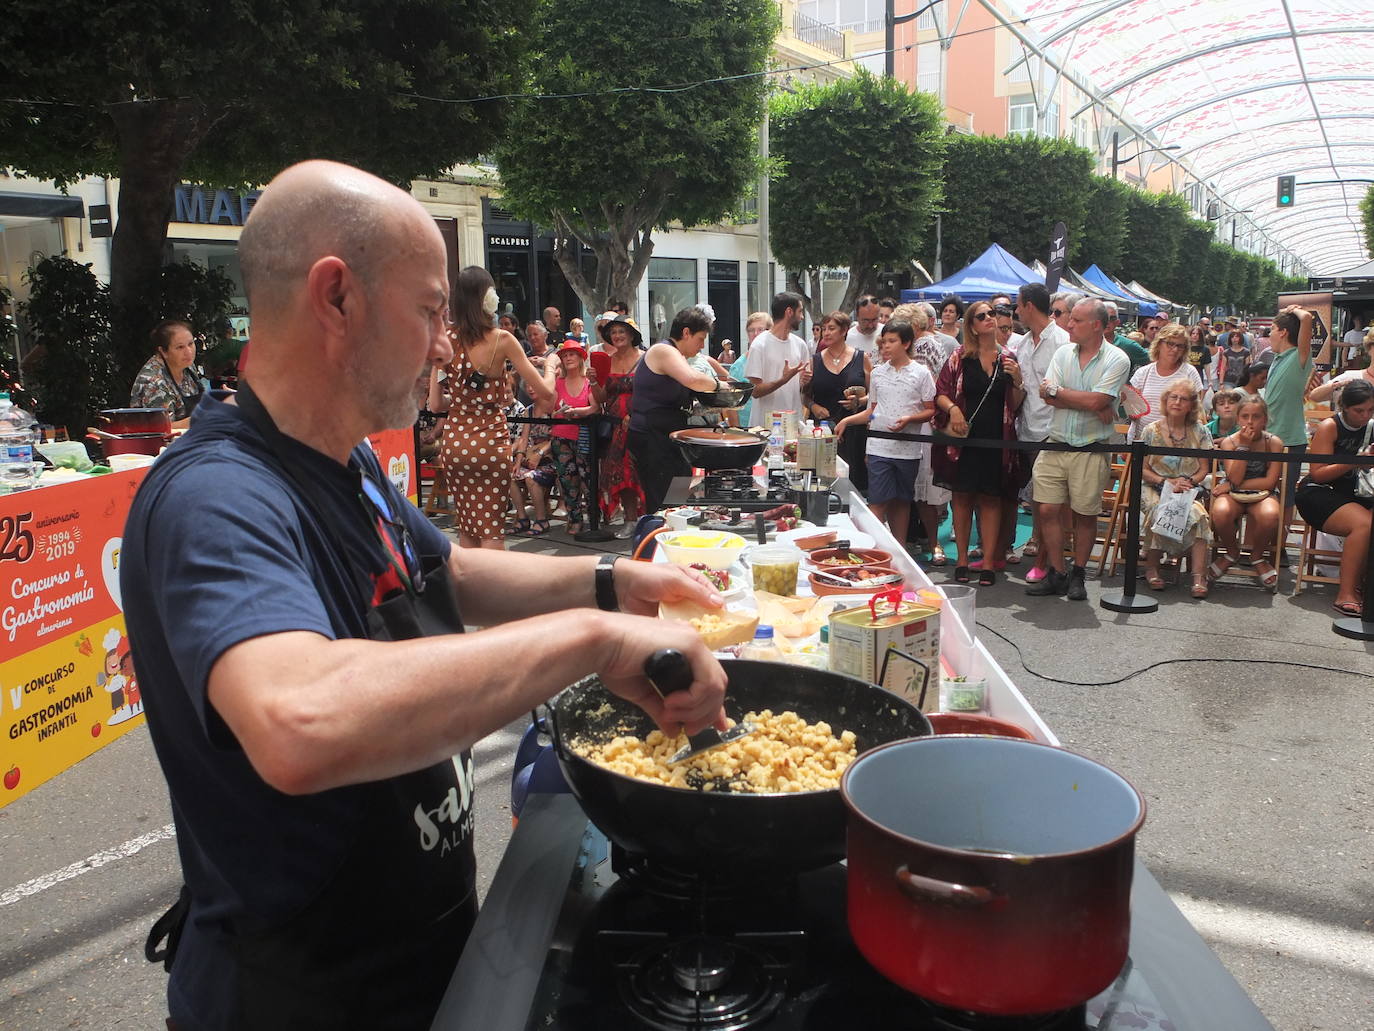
column 330, row 284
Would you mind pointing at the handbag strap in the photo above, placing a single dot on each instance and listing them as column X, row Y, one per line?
column 996, row 368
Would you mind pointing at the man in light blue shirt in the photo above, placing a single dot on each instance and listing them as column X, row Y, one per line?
column 1082, row 385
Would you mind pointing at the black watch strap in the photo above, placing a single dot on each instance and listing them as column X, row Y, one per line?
column 605, row 583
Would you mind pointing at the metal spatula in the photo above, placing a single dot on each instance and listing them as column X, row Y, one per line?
column 668, row 671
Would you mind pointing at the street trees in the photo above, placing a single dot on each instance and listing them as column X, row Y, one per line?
column 1367, row 217
column 621, row 140
column 156, row 91
column 856, row 176
column 1010, row 190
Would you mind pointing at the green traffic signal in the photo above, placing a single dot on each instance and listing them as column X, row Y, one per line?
column 1285, row 194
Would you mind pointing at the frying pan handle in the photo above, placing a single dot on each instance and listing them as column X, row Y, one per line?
column 668, row 670
column 929, row 889
column 551, row 721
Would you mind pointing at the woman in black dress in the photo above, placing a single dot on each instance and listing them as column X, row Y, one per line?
column 835, row 368
column 977, row 395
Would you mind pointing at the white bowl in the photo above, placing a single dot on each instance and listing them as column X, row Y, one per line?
column 715, row 549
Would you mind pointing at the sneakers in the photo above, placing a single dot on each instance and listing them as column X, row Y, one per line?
column 1077, row 589
column 1054, row 583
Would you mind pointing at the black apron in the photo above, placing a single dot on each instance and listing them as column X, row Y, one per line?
column 377, row 946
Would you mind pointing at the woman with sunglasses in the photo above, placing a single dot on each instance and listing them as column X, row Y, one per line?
column 1168, row 361
column 471, row 390
column 978, row 395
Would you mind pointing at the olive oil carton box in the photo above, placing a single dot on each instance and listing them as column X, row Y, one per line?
column 860, row 639
column 817, row 453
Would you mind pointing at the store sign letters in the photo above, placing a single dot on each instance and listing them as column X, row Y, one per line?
column 212, row 207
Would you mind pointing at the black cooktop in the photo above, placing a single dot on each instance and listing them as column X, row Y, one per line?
column 573, row 937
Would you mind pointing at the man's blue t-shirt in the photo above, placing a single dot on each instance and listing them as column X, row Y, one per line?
column 221, row 547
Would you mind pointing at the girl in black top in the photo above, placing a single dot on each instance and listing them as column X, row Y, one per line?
column 836, row 368
column 1326, row 497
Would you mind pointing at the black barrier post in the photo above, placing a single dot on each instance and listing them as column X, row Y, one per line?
column 1362, row 628
column 593, row 531
column 1127, row 601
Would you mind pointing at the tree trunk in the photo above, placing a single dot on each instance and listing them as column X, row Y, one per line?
column 863, row 279
column 155, row 140
column 622, row 256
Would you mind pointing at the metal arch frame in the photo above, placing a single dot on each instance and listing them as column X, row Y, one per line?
column 1196, row 55
column 1289, row 150
column 1222, row 98
column 1273, row 125
column 1237, row 189
column 1322, row 222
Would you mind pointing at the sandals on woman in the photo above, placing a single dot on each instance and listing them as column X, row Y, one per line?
column 1348, row 608
column 937, row 556
column 961, row 574
column 1268, row 575
column 1031, row 548
column 539, row 528
column 1222, row 565
column 987, row 578
column 1154, row 580
column 1199, row 585
column 521, row 526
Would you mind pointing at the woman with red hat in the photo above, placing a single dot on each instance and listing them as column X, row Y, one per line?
column 571, row 445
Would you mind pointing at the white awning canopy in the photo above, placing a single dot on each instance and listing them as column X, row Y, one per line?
column 1248, row 90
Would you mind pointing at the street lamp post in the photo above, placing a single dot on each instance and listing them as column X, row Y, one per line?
column 1117, row 160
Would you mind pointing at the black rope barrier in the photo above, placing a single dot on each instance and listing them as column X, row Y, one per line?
column 1357, row 628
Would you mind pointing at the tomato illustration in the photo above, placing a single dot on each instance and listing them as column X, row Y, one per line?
column 95, row 730
column 12, row 778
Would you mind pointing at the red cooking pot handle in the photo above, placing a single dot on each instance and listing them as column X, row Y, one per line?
column 928, row 889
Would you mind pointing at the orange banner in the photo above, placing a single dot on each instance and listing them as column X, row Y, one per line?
column 67, row 682
column 395, row 449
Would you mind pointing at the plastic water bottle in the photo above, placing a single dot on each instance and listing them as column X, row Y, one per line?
column 775, row 444
column 16, row 446
column 762, row 646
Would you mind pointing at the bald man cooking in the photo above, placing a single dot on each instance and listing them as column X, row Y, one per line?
column 310, row 693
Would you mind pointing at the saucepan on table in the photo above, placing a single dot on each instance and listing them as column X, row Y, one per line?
column 719, row 447
column 112, row 444
column 991, row 874
column 726, row 833
column 134, row 420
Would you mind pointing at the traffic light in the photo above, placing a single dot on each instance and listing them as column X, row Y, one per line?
column 1286, row 191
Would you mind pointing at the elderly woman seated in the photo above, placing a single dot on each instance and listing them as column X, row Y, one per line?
column 1180, row 427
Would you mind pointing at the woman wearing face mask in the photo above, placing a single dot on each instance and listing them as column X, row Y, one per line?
column 1326, row 497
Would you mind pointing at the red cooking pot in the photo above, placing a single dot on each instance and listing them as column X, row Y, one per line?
column 112, row 444
column 134, row 420
column 990, row 874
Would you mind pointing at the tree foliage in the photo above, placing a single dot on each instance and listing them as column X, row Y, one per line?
column 1157, row 224
column 156, row 91
column 855, row 176
column 1010, row 190
column 607, row 170
column 1105, row 225
column 1367, row 217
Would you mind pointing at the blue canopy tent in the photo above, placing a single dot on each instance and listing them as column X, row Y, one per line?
column 1102, row 281
column 995, row 271
column 1075, row 282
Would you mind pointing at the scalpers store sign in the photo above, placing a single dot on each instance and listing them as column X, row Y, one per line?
column 204, row 206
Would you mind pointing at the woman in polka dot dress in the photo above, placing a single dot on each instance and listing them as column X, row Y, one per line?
column 475, row 448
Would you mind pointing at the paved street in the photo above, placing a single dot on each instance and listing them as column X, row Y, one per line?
column 1258, row 779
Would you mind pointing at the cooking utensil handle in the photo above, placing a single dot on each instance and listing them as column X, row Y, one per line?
column 552, row 717
column 929, row 889
column 668, row 670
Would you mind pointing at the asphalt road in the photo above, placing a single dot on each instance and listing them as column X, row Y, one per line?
column 1258, row 779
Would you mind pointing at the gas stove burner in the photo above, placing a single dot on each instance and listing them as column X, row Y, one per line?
column 728, row 483
column 700, row 984
column 938, row 1017
column 662, row 880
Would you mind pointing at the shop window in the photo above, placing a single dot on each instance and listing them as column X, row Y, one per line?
column 672, row 287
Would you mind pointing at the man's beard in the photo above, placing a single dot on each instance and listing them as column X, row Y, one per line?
column 388, row 406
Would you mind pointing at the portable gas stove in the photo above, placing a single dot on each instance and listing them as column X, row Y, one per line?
column 575, row 934
column 739, row 488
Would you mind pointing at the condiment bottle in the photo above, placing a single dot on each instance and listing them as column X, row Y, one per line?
column 762, row 646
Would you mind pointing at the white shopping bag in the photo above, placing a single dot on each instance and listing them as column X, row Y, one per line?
column 1174, row 513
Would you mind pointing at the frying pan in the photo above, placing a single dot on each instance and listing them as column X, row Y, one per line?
column 722, row 833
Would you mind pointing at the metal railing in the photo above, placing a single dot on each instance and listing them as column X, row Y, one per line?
column 818, row 34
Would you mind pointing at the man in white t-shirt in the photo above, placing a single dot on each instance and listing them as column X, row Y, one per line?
column 1354, row 336
column 1331, row 389
column 863, row 334
column 779, row 362
column 1033, row 351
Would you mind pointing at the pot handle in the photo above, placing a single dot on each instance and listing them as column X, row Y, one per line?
column 929, row 889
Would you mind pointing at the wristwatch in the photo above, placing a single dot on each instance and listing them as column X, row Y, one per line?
column 605, row 583
column 1051, row 389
